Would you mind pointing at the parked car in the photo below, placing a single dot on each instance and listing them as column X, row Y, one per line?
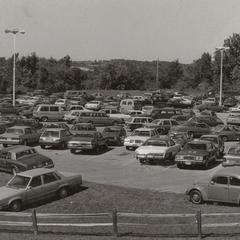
column 55, row 137
column 87, row 140
column 196, row 152
column 115, row 135
column 45, row 112
column 211, row 107
column 72, row 116
column 165, row 124
column 30, row 122
column 94, row 105
column 223, row 186
column 217, row 141
column 193, row 129
column 209, row 100
column 137, row 122
column 211, row 121
column 7, row 121
column 227, row 132
column 62, row 101
column 147, row 109
column 233, row 119
column 54, row 125
column 230, row 102
column 19, row 135
column 36, row 185
column 138, row 137
column 79, row 127
column 98, row 118
column 157, row 150
column 161, row 113
column 20, row 158
column 232, row 156
column 135, row 113
column 235, row 108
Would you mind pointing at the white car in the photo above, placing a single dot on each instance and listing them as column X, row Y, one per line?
column 235, row 109
column 61, row 101
column 138, row 137
column 157, row 150
column 94, row 105
column 72, row 116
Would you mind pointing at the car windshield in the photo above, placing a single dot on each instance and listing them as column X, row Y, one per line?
column 141, row 133
column 50, row 134
column 25, row 153
column 156, row 121
column 156, row 143
column 211, row 139
column 85, row 135
column 19, row 182
column 235, row 150
column 14, row 130
column 194, row 146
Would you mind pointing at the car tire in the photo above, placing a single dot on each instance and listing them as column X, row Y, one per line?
column 15, row 206
column 73, row 151
column 180, row 165
column 63, row 192
column 15, row 170
column 206, row 165
column 5, row 145
column 44, row 119
column 43, row 146
column 127, row 148
column 195, row 197
column 63, row 145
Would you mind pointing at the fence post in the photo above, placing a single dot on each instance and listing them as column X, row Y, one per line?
column 115, row 222
column 199, row 223
column 34, row 222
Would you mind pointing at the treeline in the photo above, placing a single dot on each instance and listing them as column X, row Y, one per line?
column 33, row 72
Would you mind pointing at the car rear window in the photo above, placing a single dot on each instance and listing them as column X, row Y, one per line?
column 194, row 146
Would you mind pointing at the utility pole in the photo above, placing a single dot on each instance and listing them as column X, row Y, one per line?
column 157, row 77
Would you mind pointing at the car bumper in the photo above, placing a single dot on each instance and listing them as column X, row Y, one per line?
column 78, row 147
column 133, row 145
column 190, row 162
column 50, row 144
column 10, row 142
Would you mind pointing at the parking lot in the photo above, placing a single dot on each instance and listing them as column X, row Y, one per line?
column 118, row 166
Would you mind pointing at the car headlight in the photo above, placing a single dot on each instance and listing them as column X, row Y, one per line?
column 199, row 158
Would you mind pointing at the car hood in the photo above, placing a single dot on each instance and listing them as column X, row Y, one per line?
column 34, row 160
column 10, row 135
column 228, row 157
column 143, row 138
column 7, row 192
column 193, row 152
column 81, row 139
column 151, row 149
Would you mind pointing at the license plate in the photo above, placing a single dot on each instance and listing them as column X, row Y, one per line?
column 188, row 163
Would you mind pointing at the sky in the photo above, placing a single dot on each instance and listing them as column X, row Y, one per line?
column 113, row 29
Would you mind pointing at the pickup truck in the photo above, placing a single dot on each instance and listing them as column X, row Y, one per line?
column 86, row 140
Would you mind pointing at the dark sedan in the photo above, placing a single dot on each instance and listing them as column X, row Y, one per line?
column 227, row 132
column 115, row 135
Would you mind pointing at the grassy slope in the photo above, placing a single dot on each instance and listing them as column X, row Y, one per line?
column 97, row 198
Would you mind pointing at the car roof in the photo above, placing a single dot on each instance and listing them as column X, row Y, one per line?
column 35, row 172
column 16, row 148
column 197, row 141
column 22, row 127
column 144, row 129
column 210, row 135
column 230, row 170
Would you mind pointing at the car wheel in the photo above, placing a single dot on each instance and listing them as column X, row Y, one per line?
column 206, row 165
column 44, row 119
column 15, row 206
column 128, row 148
column 63, row 145
column 72, row 151
column 180, row 165
column 224, row 138
column 43, row 146
column 195, row 197
column 90, row 122
column 5, row 145
column 15, row 170
column 114, row 123
column 63, row 192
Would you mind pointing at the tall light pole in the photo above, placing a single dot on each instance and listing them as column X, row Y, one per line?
column 14, row 31
column 222, row 49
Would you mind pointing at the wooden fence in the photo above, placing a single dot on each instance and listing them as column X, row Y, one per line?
column 34, row 217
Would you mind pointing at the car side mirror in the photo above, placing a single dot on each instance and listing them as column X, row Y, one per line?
column 212, row 182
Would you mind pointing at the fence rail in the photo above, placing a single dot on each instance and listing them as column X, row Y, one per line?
column 114, row 223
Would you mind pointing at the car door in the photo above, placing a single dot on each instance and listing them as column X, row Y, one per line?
column 35, row 191
column 218, row 189
column 234, row 189
column 51, row 183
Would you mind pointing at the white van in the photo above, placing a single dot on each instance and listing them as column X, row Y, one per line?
column 130, row 104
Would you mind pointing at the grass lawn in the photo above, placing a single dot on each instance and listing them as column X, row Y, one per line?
column 99, row 198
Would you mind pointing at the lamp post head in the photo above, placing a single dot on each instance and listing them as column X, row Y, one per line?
column 222, row 48
column 14, row 31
